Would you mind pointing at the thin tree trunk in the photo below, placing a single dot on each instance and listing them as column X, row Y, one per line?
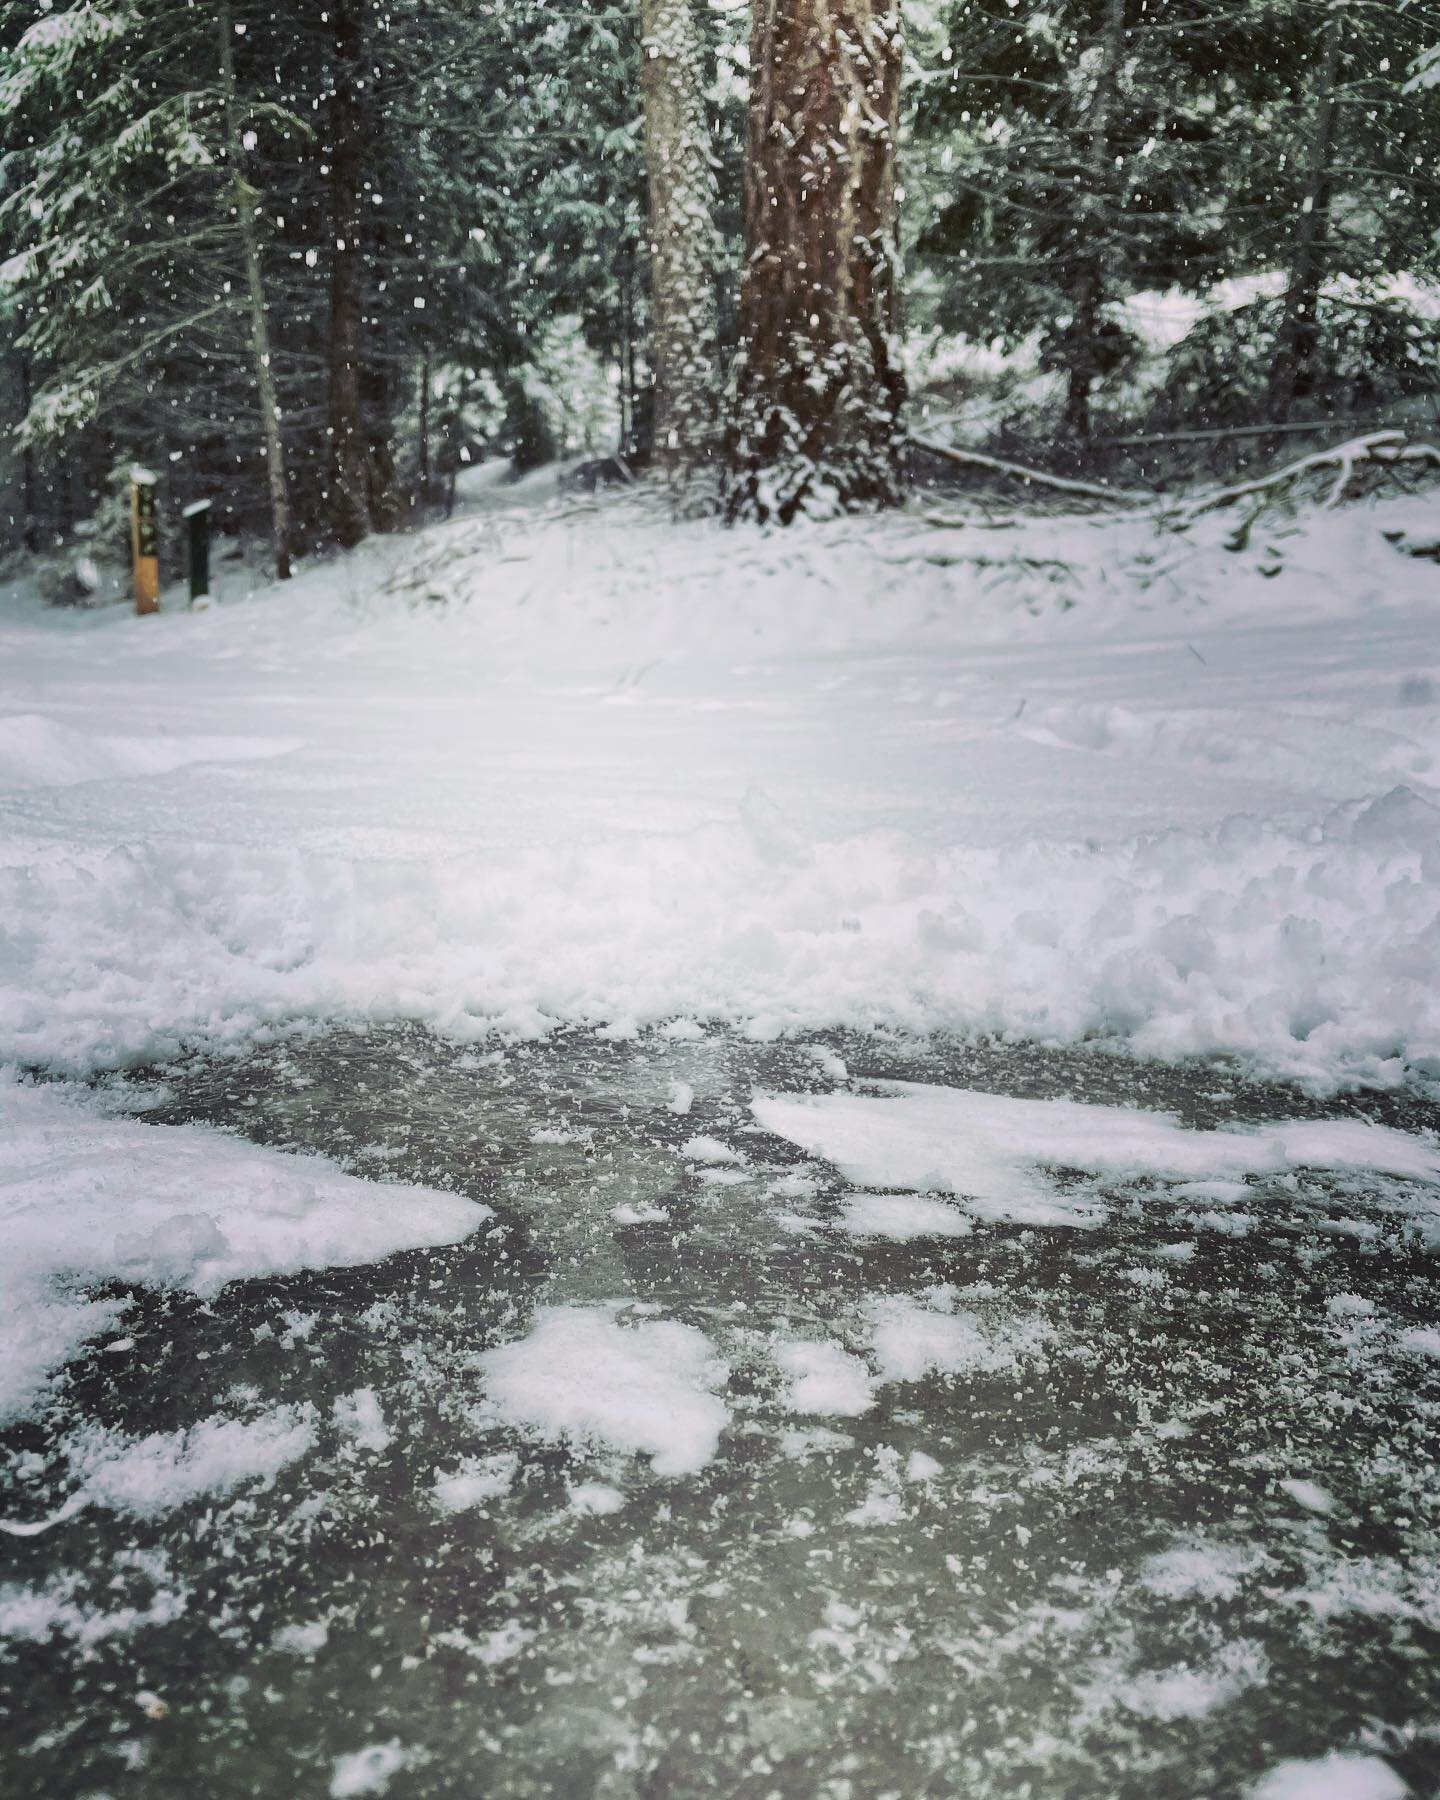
column 625, row 377
column 349, row 460
column 424, row 428
column 246, row 200
column 29, row 485
column 683, row 250
column 1088, row 287
column 377, row 400
column 1295, row 341
column 819, row 388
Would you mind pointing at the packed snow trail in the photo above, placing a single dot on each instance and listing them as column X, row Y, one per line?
column 1067, row 778
column 701, row 1467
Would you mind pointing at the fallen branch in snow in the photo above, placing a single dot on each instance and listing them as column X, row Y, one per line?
column 1386, row 447
column 976, row 459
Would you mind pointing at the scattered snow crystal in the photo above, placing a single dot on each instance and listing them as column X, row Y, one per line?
column 910, row 1340
column 368, row 1771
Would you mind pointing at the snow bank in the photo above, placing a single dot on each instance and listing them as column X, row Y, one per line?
column 584, row 1377
column 998, row 1153
column 86, row 1199
column 1310, row 951
column 874, row 772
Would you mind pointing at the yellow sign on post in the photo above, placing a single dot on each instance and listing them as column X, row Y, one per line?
column 144, row 541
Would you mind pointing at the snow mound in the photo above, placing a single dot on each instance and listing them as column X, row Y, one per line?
column 1338, row 1776
column 824, row 1378
column 999, row 1153
column 86, row 1199
column 1193, row 812
column 583, row 1377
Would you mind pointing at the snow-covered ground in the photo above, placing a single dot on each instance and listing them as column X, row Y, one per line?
column 519, row 1276
column 1058, row 779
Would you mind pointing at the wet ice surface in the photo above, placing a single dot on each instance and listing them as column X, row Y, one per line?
column 1140, row 1507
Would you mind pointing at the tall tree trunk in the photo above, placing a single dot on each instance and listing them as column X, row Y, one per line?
column 682, row 246
column 349, row 454
column 1296, row 339
column 818, row 382
column 246, row 200
column 1088, row 282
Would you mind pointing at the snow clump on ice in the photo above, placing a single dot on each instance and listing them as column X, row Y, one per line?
column 86, row 1200
column 583, row 1377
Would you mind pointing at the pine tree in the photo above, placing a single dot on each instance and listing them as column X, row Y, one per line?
column 132, row 230
column 818, row 383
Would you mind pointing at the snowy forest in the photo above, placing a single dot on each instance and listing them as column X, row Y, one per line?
column 719, row 899
column 315, row 261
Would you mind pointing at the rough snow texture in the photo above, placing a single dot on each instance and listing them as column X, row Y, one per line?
column 910, row 1339
column 582, row 1376
column 148, row 1476
column 999, row 1153
column 1068, row 779
column 86, row 1200
column 824, row 1378
column 900, row 1217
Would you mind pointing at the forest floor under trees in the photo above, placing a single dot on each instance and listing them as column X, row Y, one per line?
column 645, row 1161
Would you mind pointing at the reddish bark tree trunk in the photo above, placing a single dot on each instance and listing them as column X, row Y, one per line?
column 819, row 387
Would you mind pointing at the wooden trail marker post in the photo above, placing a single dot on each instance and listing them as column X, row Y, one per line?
column 144, row 541
column 197, row 524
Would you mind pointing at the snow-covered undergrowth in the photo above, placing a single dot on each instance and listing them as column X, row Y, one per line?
column 1054, row 778
column 88, row 1201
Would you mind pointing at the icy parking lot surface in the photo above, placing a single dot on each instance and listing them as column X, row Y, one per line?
column 848, row 1417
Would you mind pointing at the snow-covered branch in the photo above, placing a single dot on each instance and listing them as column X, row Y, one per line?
column 1387, row 447
column 1093, row 490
